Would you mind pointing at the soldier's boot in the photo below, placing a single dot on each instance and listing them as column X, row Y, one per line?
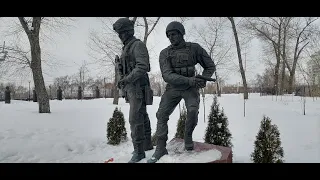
column 159, row 152
column 188, row 143
column 191, row 123
column 138, row 154
column 147, row 143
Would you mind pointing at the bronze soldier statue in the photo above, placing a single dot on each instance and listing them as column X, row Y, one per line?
column 177, row 65
column 135, row 86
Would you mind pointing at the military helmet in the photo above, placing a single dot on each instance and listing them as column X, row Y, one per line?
column 123, row 24
column 175, row 25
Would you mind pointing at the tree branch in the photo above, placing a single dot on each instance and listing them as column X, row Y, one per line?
column 24, row 25
column 154, row 25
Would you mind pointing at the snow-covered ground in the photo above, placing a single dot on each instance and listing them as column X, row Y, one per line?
column 75, row 131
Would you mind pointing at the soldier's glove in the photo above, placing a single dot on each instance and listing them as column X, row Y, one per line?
column 201, row 84
column 122, row 83
column 197, row 83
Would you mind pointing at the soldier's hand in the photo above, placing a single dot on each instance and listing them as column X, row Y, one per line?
column 122, row 82
column 197, row 83
column 119, row 85
column 201, row 84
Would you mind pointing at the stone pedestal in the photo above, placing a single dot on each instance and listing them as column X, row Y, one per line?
column 177, row 146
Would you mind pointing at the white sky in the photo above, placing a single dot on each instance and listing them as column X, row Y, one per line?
column 71, row 49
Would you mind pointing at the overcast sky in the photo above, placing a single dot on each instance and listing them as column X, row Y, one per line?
column 71, row 50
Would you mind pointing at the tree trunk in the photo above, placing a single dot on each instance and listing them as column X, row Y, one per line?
column 218, row 85
column 278, row 56
column 283, row 73
column 276, row 78
column 298, row 51
column 290, row 83
column 218, row 89
column 43, row 98
column 276, row 69
column 243, row 75
column 35, row 65
column 293, row 72
column 284, row 59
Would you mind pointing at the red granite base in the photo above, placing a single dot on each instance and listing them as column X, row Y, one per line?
column 199, row 146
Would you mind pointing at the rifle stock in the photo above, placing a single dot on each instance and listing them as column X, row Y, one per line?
column 121, row 74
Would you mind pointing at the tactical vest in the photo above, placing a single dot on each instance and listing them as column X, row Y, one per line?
column 129, row 62
column 182, row 60
column 126, row 60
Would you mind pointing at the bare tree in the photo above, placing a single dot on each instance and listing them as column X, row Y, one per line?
column 35, row 64
column 269, row 30
column 289, row 37
column 32, row 27
column 313, row 52
column 104, row 46
column 309, row 68
column 302, row 30
column 148, row 31
column 307, row 77
column 286, row 26
column 242, row 71
column 211, row 37
column 17, row 62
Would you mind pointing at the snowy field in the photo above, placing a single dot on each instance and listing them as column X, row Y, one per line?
column 75, row 131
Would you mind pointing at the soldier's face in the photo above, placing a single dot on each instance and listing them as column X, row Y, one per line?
column 174, row 37
column 123, row 36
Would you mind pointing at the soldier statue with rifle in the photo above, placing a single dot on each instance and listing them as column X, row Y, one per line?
column 133, row 66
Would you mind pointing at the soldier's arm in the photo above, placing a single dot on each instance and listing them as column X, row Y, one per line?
column 205, row 61
column 140, row 52
column 167, row 72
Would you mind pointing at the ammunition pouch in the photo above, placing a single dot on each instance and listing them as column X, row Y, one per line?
column 188, row 71
column 182, row 61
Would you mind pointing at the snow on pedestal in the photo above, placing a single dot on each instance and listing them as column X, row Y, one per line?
column 202, row 153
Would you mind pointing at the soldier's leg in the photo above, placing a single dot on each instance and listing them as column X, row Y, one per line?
column 147, row 128
column 192, row 100
column 169, row 101
column 136, row 125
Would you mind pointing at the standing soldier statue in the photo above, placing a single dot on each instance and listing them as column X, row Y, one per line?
column 177, row 65
column 134, row 66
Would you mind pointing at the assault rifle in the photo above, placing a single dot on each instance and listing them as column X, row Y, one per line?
column 121, row 74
